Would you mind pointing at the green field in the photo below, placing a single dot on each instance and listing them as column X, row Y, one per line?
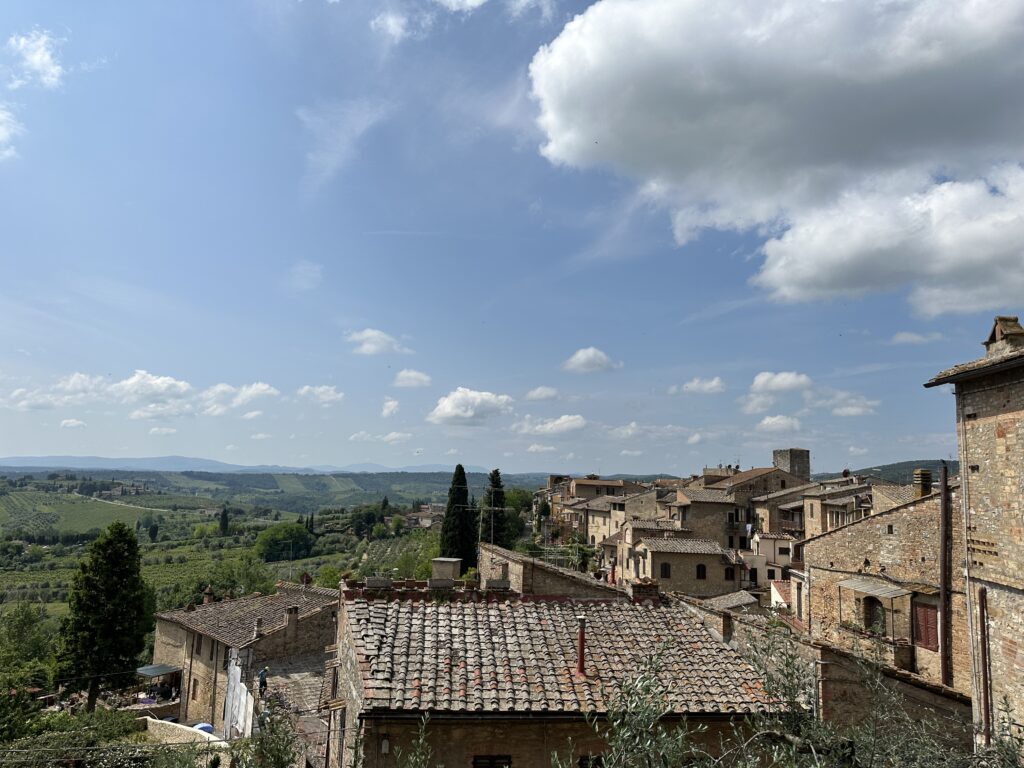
column 35, row 511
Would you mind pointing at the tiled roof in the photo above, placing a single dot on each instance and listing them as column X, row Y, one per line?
column 731, row 600
column 978, row 367
column 612, row 540
column 705, row 495
column 654, row 525
column 512, row 657
column 684, row 546
column 743, row 477
column 899, row 494
column 786, row 492
column 785, row 536
column 298, row 680
column 232, row 621
column 616, row 483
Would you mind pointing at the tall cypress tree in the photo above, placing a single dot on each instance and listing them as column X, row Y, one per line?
column 458, row 532
column 110, row 610
column 494, row 510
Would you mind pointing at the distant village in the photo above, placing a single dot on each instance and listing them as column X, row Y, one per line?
column 924, row 579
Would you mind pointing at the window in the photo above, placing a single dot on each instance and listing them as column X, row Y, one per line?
column 783, row 550
column 874, row 615
column 199, row 644
column 926, row 626
column 783, row 484
column 195, row 689
column 771, row 573
column 799, row 601
column 730, row 573
column 492, row 761
column 592, row 541
column 743, row 542
column 666, row 570
column 753, row 575
column 213, row 648
column 702, row 571
column 334, row 683
column 888, row 529
column 732, row 542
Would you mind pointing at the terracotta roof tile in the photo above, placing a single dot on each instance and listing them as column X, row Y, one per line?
column 684, row 546
column 521, row 657
column 232, row 621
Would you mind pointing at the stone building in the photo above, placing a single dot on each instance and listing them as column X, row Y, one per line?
column 714, row 513
column 291, row 627
column 526, row 575
column 886, row 585
column 782, row 511
column 697, row 567
column 990, row 431
column 507, row 683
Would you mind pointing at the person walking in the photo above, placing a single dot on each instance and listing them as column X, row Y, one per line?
column 263, row 681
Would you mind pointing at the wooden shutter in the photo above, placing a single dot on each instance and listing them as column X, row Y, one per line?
column 926, row 626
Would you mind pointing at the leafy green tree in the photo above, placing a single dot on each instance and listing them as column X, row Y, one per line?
column 27, row 649
column 519, row 499
column 380, row 531
column 328, row 576
column 110, row 610
column 154, row 531
column 286, row 541
column 225, row 522
column 384, row 506
column 459, row 530
column 397, row 525
column 274, row 744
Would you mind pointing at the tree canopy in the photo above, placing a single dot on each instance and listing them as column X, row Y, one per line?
column 459, row 530
column 287, row 541
column 110, row 612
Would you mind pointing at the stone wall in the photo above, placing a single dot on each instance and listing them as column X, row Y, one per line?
column 900, row 547
column 315, row 632
column 709, row 520
column 683, row 573
column 529, row 576
column 990, row 416
column 529, row 743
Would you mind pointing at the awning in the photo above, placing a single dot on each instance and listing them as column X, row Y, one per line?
column 156, row 670
column 876, row 588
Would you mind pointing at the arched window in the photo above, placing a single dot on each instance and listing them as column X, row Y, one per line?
column 666, row 570
column 592, row 540
column 702, row 571
column 874, row 615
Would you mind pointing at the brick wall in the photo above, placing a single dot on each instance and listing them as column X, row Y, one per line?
column 908, row 555
column 990, row 419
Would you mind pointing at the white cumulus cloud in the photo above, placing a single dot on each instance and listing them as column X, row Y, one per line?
column 872, row 144
column 461, row 5
column 371, row 341
column 589, row 360
column 784, row 381
column 72, row 424
column 555, row 426
column 468, row 407
column 324, row 394
column 407, row 377
column 390, row 407
column 779, row 424
column 542, row 393
column 699, row 386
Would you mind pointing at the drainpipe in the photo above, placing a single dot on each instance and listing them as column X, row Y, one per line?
column 986, row 682
column 945, row 579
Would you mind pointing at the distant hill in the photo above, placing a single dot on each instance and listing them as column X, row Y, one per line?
column 902, row 472
column 153, row 463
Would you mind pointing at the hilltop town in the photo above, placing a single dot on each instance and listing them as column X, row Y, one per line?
column 503, row 654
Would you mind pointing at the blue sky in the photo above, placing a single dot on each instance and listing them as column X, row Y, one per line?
column 634, row 235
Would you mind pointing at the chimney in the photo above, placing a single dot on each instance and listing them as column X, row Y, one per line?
column 642, row 590
column 291, row 621
column 497, row 579
column 208, row 594
column 257, row 630
column 581, row 646
column 922, row 483
column 444, row 571
column 1007, row 336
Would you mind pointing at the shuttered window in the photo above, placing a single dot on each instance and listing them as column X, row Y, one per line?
column 926, row 626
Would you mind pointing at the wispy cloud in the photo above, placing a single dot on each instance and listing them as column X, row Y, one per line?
column 335, row 130
column 162, row 431
column 36, row 60
column 390, row 438
column 72, row 424
column 699, row 386
column 538, row 448
column 9, row 129
column 556, row 426
column 305, row 275
column 909, row 337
